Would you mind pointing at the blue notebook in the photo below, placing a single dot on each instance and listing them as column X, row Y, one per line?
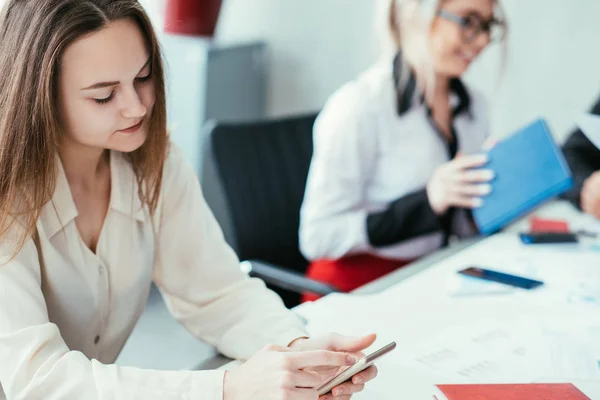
column 530, row 169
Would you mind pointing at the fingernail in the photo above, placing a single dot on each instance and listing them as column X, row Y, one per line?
column 483, row 158
column 477, row 203
column 358, row 380
column 485, row 189
column 339, row 392
column 488, row 174
column 351, row 360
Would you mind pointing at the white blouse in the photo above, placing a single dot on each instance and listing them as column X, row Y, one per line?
column 62, row 326
column 368, row 155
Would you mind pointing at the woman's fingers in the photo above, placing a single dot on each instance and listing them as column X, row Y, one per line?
column 347, row 388
column 490, row 143
column 365, row 376
column 469, row 190
column 469, row 162
column 475, row 176
column 317, row 358
column 306, row 379
column 466, row 202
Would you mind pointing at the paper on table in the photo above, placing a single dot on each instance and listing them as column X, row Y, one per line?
column 571, row 275
column 524, row 343
column 573, row 347
column 493, row 352
column 479, row 353
column 459, row 285
column 570, row 272
column 590, row 126
column 413, row 311
column 570, row 361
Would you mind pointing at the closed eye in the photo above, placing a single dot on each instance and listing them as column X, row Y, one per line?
column 143, row 79
column 106, row 99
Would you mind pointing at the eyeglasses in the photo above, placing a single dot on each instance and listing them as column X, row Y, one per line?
column 473, row 25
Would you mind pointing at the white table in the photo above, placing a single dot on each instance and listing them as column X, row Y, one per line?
column 412, row 384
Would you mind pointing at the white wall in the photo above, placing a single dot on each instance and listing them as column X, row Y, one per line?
column 553, row 66
column 316, row 45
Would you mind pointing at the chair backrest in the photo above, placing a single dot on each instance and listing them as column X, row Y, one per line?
column 262, row 169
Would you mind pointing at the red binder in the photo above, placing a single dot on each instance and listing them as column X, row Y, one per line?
column 561, row 391
column 539, row 225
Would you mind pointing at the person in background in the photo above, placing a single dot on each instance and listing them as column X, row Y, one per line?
column 95, row 205
column 584, row 160
column 398, row 151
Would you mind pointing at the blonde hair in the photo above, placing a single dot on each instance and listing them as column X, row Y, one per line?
column 408, row 26
column 33, row 36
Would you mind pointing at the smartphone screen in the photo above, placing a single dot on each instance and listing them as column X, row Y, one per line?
column 548, row 238
column 361, row 365
column 500, row 277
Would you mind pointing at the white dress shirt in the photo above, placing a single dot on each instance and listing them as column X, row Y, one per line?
column 62, row 326
column 367, row 155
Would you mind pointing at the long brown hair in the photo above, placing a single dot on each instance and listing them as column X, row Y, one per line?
column 33, row 37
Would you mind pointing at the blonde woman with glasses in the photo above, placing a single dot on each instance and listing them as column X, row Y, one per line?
column 392, row 175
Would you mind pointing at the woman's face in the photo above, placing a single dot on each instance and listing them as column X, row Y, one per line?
column 106, row 88
column 455, row 37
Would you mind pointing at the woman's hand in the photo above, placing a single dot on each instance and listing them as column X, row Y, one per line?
column 590, row 195
column 459, row 183
column 281, row 373
column 340, row 343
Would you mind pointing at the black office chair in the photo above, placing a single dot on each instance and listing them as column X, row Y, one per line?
column 253, row 178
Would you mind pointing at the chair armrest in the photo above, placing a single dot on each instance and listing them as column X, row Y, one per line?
column 285, row 279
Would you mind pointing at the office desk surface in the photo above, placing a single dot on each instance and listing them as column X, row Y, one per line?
column 557, row 210
column 218, row 361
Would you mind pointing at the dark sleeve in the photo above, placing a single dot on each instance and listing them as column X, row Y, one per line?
column 583, row 159
column 408, row 217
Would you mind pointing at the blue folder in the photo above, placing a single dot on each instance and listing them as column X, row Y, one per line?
column 530, row 169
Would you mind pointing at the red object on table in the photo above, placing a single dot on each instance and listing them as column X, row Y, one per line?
column 192, row 17
column 555, row 391
column 542, row 225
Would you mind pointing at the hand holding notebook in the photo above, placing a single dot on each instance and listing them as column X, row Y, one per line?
column 530, row 169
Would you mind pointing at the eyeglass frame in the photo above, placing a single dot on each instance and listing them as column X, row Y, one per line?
column 485, row 26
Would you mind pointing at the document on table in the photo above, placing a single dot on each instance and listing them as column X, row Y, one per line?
column 489, row 352
column 571, row 273
column 518, row 337
column 494, row 353
column 475, row 354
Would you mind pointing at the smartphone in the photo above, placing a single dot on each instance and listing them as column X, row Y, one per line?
column 360, row 365
column 500, row 277
column 548, row 237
